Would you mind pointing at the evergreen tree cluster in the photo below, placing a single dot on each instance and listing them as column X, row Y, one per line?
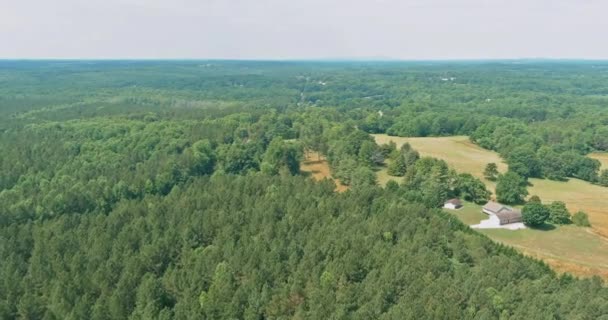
column 259, row 246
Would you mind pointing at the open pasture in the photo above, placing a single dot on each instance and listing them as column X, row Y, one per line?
column 582, row 251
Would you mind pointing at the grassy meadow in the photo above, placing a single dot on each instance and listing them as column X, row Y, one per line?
column 566, row 248
column 582, row 251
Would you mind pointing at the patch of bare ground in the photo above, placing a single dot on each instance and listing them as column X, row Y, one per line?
column 317, row 166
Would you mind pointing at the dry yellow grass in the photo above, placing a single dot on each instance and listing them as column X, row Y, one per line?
column 602, row 157
column 384, row 177
column 458, row 151
column 318, row 168
column 584, row 251
column 465, row 156
column 578, row 195
column 567, row 249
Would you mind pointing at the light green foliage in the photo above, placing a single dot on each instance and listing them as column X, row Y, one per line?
column 204, row 157
column 398, row 166
column 282, row 155
column 581, row 219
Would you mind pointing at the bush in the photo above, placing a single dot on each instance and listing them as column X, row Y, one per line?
column 581, row 219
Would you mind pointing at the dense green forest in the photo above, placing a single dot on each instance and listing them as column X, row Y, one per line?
column 172, row 189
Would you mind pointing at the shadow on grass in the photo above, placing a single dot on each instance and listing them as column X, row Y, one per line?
column 544, row 227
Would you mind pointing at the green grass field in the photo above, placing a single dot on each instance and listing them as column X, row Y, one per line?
column 581, row 251
column 470, row 213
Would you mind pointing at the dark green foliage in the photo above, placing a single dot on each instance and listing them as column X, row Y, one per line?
column 430, row 179
column 603, row 178
column 524, row 162
column 239, row 158
column 511, row 188
column 535, row 214
column 581, row 219
column 553, row 164
column 471, row 189
column 534, row 198
column 558, row 213
column 388, row 149
column 491, row 172
column 255, row 246
column 132, row 190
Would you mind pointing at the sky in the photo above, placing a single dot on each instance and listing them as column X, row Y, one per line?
column 304, row 29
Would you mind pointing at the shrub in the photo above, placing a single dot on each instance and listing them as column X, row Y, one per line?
column 581, row 219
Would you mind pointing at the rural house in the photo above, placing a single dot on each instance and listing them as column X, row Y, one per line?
column 453, row 204
column 501, row 213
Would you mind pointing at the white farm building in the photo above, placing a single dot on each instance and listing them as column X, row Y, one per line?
column 453, row 204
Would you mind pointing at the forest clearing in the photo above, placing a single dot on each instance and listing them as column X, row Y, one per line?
column 580, row 251
column 316, row 165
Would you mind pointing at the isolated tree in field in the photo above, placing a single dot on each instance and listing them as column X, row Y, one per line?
column 535, row 214
column 491, row 171
column 534, row 198
column 511, row 188
column 406, row 147
column 558, row 213
column 581, row 219
column 397, row 167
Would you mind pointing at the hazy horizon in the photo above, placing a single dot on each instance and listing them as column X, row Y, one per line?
column 270, row 30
